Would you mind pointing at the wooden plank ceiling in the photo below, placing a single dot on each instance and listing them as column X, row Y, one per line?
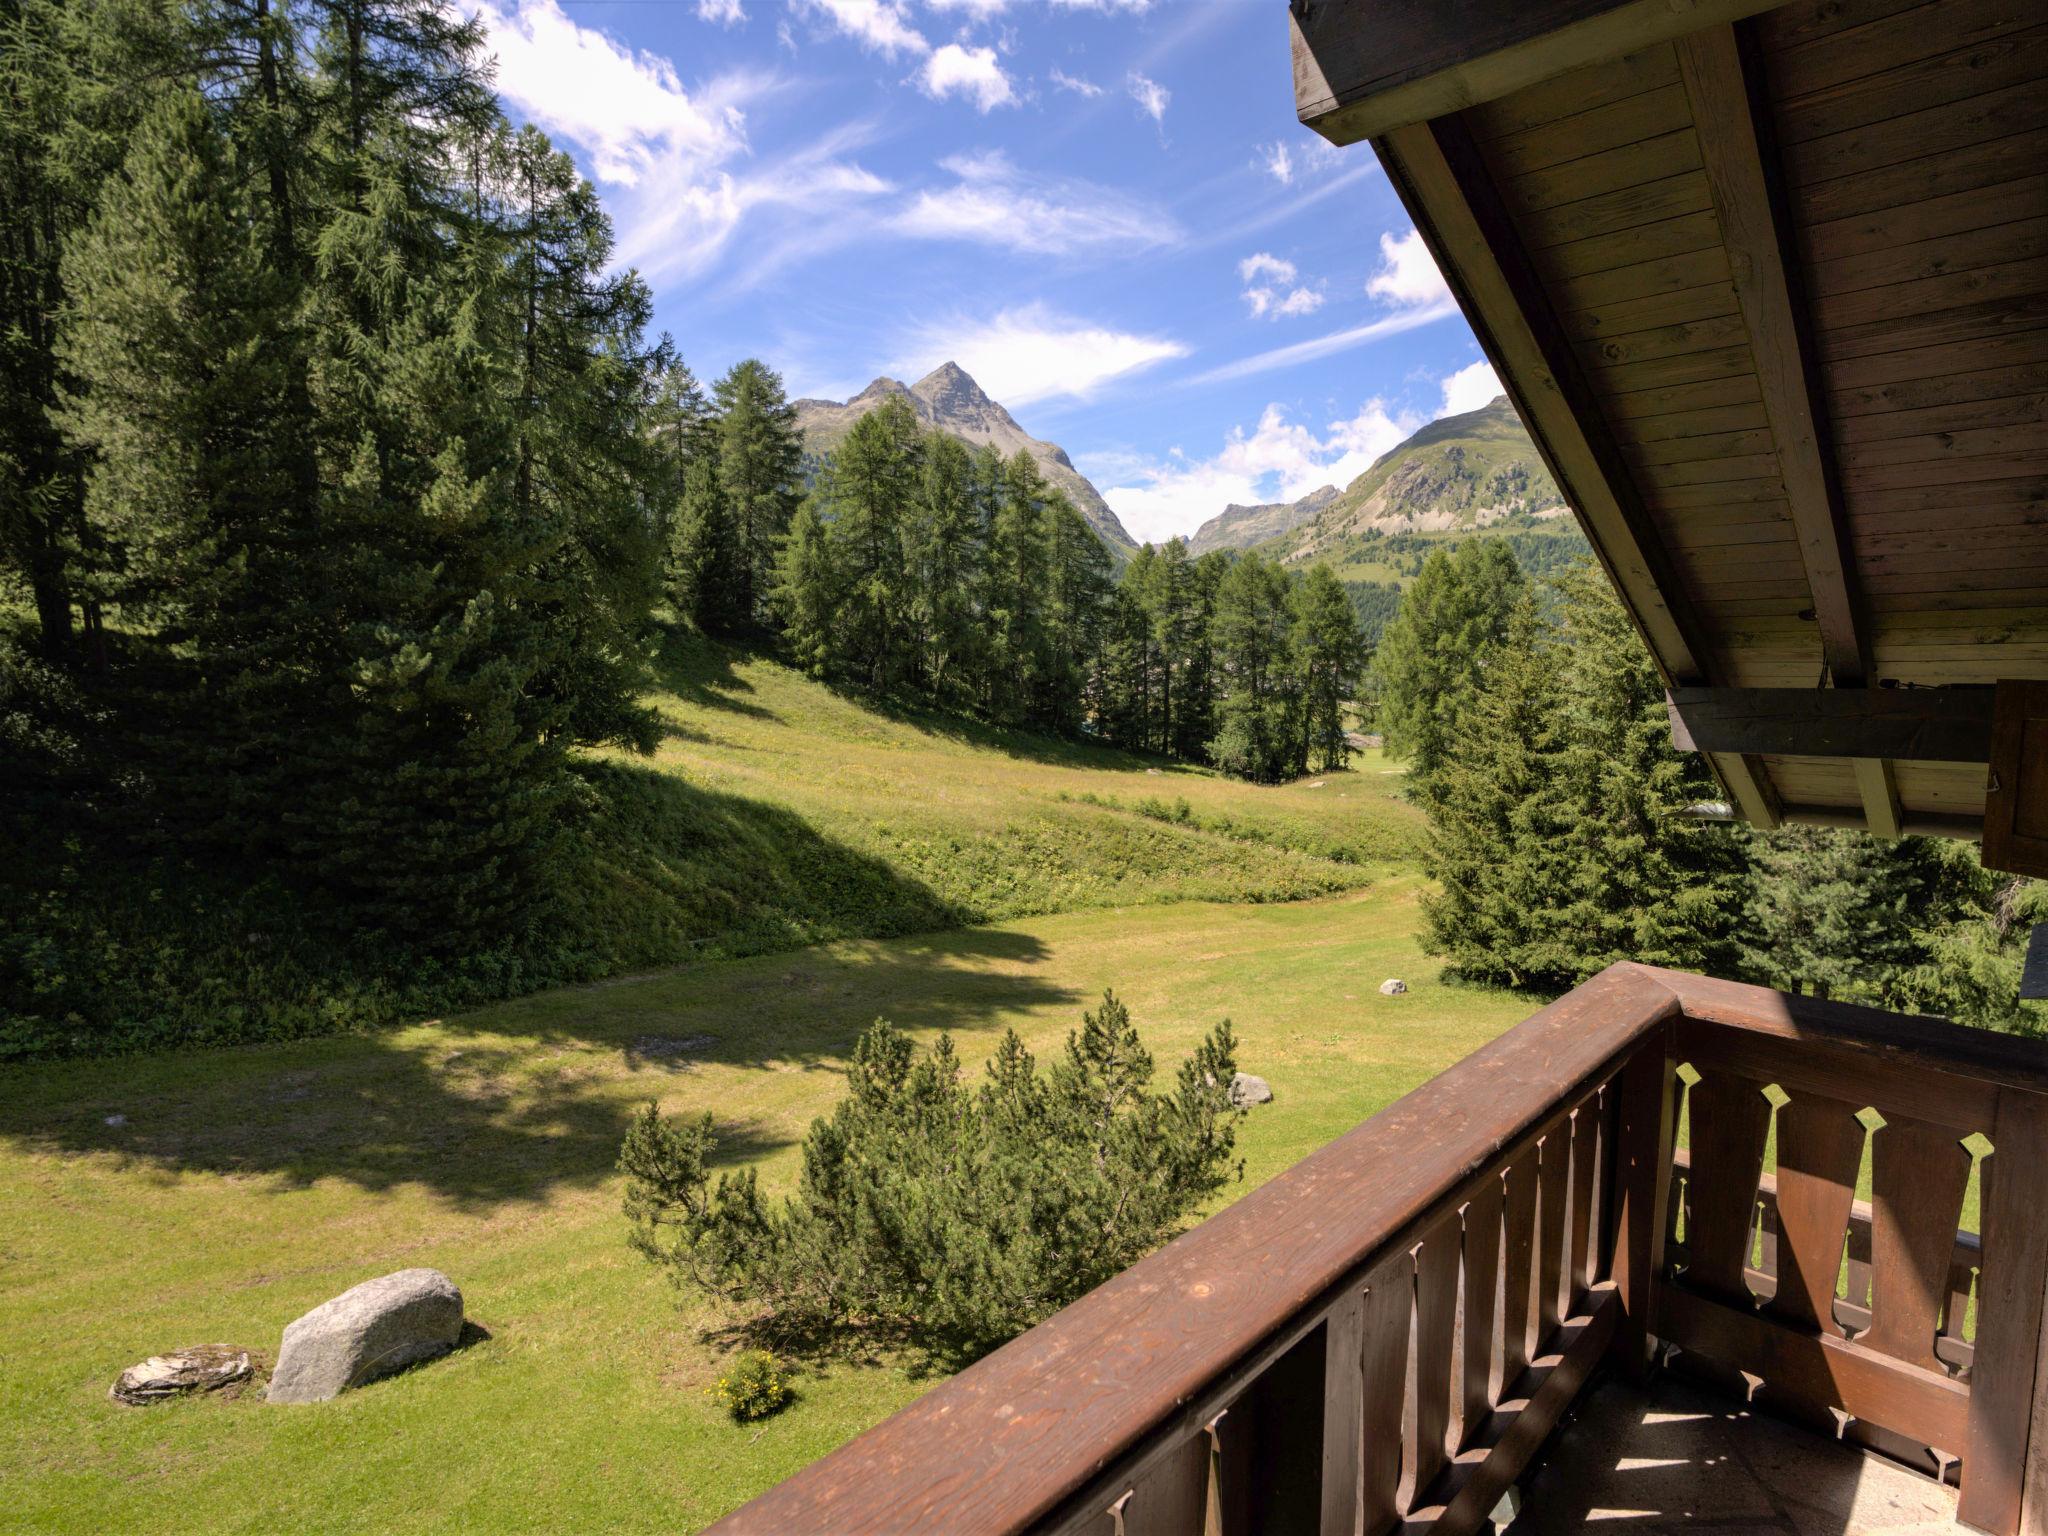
column 1772, row 295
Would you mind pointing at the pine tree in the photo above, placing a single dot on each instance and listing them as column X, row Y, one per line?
column 701, row 546
column 1014, row 587
column 1258, row 723
column 1329, row 654
column 1451, row 621
column 864, row 501
column 180, row 380
column 942, row 541
column 759, row 452
column 1078, row 583
column 807, row 591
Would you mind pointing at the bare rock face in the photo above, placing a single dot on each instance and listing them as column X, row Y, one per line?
column 1247, row 1090
column 202, row 1368
column 376, row 1328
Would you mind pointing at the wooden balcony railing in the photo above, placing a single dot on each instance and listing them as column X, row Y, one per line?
column 1381, row 1338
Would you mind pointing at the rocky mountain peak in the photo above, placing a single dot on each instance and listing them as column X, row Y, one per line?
column 953, row 395
column 880, row 390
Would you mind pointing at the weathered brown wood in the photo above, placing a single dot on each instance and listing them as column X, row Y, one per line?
column 1501, row 1448
column 1429, row 1368
column 1923, row 724
column 1729, row 1120
column 2009, row 1316
column 1919, row 1172
column 1389, row 1297
column 1820, row 1151
column 1741, row 167
column 2016, row 799
column 1585, row 1194
column 1640, row 1156
column 1819, row 1371
column 1480, row 1320
column 1517, row 1269
column 1358, row 73
column 1553, row 1183
column 1344, row 1410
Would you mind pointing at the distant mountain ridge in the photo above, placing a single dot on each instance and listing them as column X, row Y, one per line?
column 948, row 400
column 1460, row 473
column 1240, row 527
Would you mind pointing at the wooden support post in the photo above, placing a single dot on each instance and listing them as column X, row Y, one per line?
column 1645, row 1121
column 1343, row 1416
column 2006, row 1381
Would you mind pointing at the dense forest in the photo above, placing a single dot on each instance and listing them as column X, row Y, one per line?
column 1566, row 833
column 344, row 500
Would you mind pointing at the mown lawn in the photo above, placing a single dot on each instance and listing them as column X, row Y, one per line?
column 247, row 1185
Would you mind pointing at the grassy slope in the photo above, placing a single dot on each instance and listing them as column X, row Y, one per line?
column 247, row 1185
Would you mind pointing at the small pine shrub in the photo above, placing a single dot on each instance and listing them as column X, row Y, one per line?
column 944, row 1214
column 754, row 1387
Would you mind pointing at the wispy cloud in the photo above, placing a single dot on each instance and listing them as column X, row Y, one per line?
column 1074, row 83
column 1273, row 288
column 1031, row 352
column 1277, row 460
column 879, row 26
column 1325, row 346
column 727, row 13
column 1278, row 162
column 992, row 202
column 1407, row 274
column 956, row 70
column 1150, row 95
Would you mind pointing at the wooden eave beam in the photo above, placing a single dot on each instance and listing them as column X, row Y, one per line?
column 1365, row 67
column 1738, row 150
column 1443, row 180
column 1928, row 725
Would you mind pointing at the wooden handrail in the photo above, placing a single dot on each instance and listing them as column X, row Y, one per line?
column 1302, row 1290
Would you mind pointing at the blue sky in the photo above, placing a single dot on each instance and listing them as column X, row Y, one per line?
column 1103, row 209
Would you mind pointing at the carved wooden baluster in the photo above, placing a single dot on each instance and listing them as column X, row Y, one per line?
column 1553, row 1179
column 1730, row 1119
column 1919, row 1172
column 1481, row 1333
column 1820, row 1149
column 1343, row 1414
column 1583, row 1263
column 1216, row 1511
column 1517, row 1270
column 1388, row 1312
column 1436, row 1315
column 1169, row 1500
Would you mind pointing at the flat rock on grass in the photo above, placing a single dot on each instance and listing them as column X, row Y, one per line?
column 1247, row 1090
column 202, row 1368
column 372, row 1330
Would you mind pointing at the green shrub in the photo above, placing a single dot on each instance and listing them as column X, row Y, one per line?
column 950, row 1216
column 753, row 1388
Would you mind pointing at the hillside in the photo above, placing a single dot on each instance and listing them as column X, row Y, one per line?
column 948, row 400
column 1240, row 527
column 1459, row 473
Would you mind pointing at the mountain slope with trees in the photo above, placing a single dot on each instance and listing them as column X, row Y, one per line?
column 947, row 400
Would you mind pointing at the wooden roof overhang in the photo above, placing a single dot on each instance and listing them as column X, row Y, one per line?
column 1769, row 286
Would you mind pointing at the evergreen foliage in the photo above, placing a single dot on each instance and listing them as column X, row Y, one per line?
column 1558, row 830
column 950, row 1215
column 1433, row 653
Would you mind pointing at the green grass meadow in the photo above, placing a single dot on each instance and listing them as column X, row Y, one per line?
column 158, row 1200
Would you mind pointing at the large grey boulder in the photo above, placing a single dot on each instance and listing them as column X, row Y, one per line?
column 376, row 1328
column 202, row 1368
column 1393, row 986
column 1247, row 1090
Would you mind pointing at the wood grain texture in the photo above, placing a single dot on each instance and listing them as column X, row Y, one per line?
column 1479, row 1324
column 1820, row 1152
column 2006, row 1376
column 1426, row 1450
column 1639, row 1153
column 1729, row 1119
column 1919, row 1172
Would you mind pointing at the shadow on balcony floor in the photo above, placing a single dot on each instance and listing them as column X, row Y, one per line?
column 1677, row 1458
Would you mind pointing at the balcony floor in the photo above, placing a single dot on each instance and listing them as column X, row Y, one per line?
column 1680, row 1459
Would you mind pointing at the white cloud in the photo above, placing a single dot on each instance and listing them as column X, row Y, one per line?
column 1407, row 277
column 992, row 202
column 877, row 25
column 1150, row 96
column 980, row 10
column 1272, row 289
column 785, row 36
column 1278, row 163
column 1324, row 346
column 1470, row 388
column 1278, row 460
column 726, row 13
column 1032, row 353
column 1074, row 83
column 626, row 109
column 973, row 72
